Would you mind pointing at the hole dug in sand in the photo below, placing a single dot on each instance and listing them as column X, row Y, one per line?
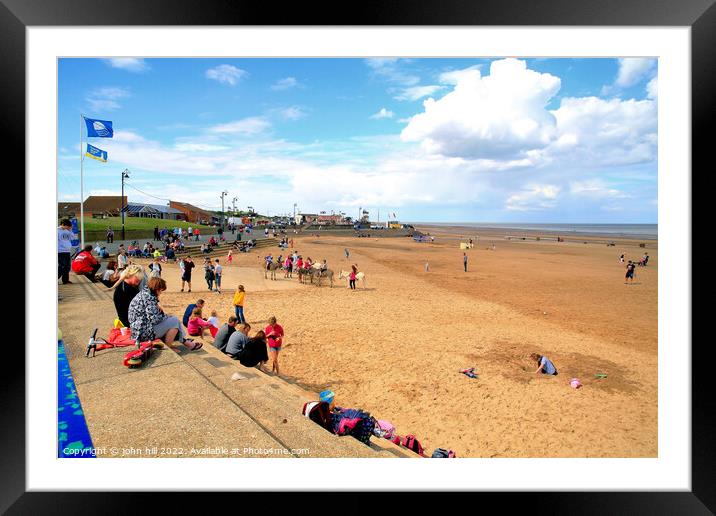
column 512, row 361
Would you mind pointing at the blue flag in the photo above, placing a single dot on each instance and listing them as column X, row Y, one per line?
column 95, row 153
column 99, row 128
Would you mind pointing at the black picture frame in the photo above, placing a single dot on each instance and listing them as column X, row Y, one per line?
column 700, row 15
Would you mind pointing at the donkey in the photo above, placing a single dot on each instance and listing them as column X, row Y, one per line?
column 272, row 268
column 320, row 274
column 359, row 276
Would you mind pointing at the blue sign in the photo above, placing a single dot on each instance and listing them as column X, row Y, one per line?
column 75, row 241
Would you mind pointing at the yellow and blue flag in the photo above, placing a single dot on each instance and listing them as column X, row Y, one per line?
column 95, row 153
column 99, row 128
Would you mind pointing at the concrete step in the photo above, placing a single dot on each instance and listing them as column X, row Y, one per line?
column 267, row 408
column 276, row 405
column 164, row 403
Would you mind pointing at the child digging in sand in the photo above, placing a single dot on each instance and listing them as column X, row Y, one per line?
column 545, row 364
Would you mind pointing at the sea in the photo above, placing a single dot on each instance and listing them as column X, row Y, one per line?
column 642, row 231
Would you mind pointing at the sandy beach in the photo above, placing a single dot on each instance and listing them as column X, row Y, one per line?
column 395, row 348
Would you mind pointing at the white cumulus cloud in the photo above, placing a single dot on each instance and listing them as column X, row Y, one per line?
column 227, row 74
column 383, row 113
column 652, row 88
column 502, row 119
column 501, row 115
column 594, row 131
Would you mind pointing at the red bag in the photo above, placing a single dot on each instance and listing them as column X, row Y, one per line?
column 411, row 443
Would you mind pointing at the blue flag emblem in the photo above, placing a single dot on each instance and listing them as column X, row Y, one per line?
column 99, row 128
column 95, row 153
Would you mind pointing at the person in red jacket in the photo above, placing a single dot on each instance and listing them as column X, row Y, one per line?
column 85, row 264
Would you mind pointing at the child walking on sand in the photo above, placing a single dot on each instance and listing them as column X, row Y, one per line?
column 629, row 278
column 229, row 258
column 274, row 335
column 239, row 297
column 209, row 274
column 186, row 266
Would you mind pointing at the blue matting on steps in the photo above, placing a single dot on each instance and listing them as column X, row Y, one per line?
column 73, row 437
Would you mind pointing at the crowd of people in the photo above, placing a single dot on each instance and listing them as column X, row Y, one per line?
column 137, row 300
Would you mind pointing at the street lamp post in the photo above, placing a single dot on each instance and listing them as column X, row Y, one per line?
column 222, row 208
column 125, row 175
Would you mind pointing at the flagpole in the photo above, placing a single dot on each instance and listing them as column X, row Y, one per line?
column 82, row 196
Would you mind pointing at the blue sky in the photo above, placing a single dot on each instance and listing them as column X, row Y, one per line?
column 444, row 140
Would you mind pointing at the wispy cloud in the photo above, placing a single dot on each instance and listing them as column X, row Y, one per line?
column 174, row 127
column 251, row 125
column 455, row 76
column 107, row 98
column 403, row 85
column 632, row 70
column 383, row 113
column 292, row 113
column 538, row 197
column 417, row 92
column 131, row 64
column 226, row 74
column 595, row 188
column 387, row 68
column 199, row 147
column 284, row 84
